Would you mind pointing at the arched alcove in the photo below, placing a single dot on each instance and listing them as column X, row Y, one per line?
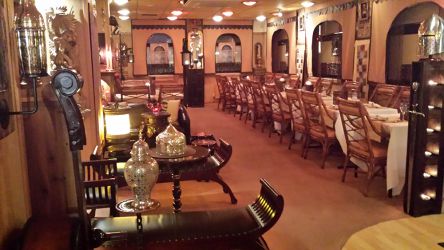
column 327, row 50
column 160, row 54
column 279, row 51
column 228, row 53
column 402, row 41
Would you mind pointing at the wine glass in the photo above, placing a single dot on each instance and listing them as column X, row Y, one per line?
column 403, row 107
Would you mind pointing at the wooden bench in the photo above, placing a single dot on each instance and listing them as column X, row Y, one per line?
column 237, row 228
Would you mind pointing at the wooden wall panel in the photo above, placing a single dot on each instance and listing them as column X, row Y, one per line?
column 14, row 190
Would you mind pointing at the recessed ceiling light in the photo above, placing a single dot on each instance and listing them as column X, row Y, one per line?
column 172, row 18
column 124, row 17
column 307, row 4
column 217, row 18
column 249, row 3
column 123, row 12
column 120, row 2
column 228, row 13
column 261, row 18
column 176, row 12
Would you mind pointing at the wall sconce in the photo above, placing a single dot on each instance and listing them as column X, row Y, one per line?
column 30, row 31
column 130, row 55
column 186, row 58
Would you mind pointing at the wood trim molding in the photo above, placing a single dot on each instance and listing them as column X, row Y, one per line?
column 228, row 26
column 282, row 21
column 156, row 27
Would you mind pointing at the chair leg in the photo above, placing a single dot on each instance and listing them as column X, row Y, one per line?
column 264, row 121
column 293, row 134
column 307, row 145
column 217, row 178
column 370, row 176
column 282, row 133
column 248, row 114
column 347, row 158
column 304, row 141
column 271, row 129
column 325, row 151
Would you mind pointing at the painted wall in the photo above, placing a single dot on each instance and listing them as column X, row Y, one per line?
column 140, row 37
column 386, row 12
column 347, row 21
column 290, row 28
column 210, row 38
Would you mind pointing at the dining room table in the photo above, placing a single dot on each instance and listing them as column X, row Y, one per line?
column 395, row 131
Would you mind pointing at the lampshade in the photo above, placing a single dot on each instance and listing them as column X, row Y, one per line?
column 117, row 125
column 431, row 36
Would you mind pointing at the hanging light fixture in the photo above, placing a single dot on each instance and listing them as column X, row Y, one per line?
column 172, row 18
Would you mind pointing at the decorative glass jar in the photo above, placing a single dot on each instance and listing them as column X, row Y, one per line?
column 171, row 142
column 141, row 173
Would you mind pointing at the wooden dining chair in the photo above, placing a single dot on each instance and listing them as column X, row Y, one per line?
column 384, row 94
column 100, row 185
column 251, row 106
column 352, row 86
column 325, row 86
column 237, row 94
column 230, row 95
column 220, row 89
column 315, row 81
column 356, row 122
column 402, row 97
column 315, row 113
column 243, row 101
column 280, row 111
column 295, row 81
column 269, row 78
column 262, row 111
column 297, row 116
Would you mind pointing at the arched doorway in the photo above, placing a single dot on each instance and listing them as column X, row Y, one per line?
column 279, row 51
column 402, row 41
column 228, row 53
column 327, row 50
column 160, row 54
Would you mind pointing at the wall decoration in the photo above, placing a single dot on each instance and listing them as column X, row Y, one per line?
column 333, row 9
column 300, row 53
column 363, row 19
column 362, row 53
column 281, row 21
column 62, row 26
column 301, row 23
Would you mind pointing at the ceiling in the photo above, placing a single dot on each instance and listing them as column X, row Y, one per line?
column 206, row 9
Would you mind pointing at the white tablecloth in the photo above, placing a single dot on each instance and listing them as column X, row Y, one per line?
column 397, row 147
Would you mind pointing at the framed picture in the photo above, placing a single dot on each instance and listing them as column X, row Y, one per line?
column 364, row 12
column 363, row 19
column 301, row 23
